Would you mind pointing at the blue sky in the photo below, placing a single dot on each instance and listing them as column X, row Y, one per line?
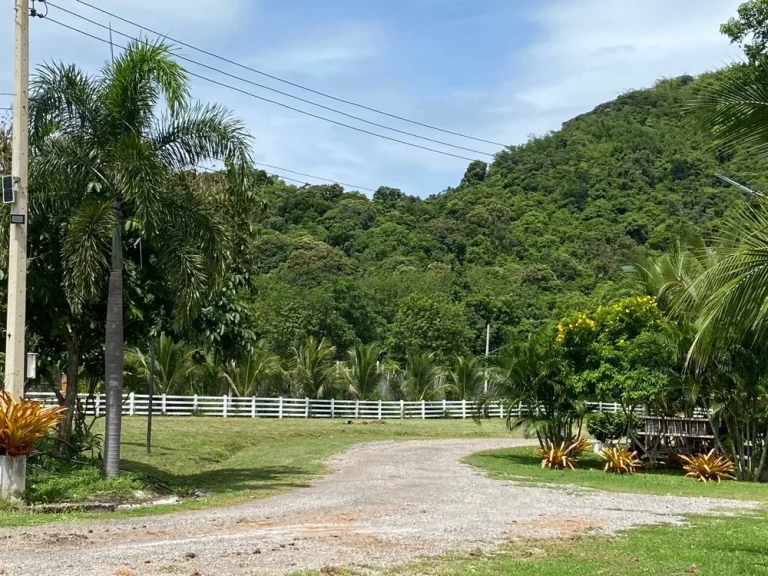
column 496, row 69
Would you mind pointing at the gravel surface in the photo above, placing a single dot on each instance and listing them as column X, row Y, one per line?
column 386, row 503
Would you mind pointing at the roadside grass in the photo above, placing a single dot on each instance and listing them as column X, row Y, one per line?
column 228, row 460
column 522, row 464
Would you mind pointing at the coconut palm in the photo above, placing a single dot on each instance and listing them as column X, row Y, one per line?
column 466, row 378
column 115, row 143
column 251, row 374
column 422, row 377
column 364, row 375
column 173, row 363
column 314, row 371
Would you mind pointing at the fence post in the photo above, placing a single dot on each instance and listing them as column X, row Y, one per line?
column 280, row 408
column 306, row 408
column 162, row 406
column 224, row 406
column 464, row 409
column 600, row 406
column 402, row 409
column 253, row 407
column 333, row 409
column 445, row 406
column 357, row 409
column 97, row 405
column 423, row 410
column 131, row 404
column 501, row 409
column 379, row 408
column 519, row 409
column 194, row 403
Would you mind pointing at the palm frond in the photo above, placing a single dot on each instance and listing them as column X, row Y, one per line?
column 200, row 134
column 735, row 108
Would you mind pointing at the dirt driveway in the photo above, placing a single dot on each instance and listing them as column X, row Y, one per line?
column 386, row 503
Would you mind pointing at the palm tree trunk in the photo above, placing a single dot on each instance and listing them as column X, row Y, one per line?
column 64, row 436
column 113, row 357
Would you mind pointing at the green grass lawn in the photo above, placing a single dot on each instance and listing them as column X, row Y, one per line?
column 233, row 460
column 523, row 464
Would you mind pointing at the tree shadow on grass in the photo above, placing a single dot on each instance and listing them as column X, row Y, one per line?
column 224, row 480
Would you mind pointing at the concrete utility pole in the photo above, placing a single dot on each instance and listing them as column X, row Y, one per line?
column 15, row 352
column 487, row 353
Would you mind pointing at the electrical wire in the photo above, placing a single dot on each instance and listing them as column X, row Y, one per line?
column 256, row 96
column 286, row 94
column 294, row 84
column 349, row 186
column 7, row 94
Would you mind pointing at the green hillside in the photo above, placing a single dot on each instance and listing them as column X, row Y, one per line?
column 515, row 244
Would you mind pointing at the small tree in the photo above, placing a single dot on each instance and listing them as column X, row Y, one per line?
column 466, row 378
column 363, row 374
column 422, row 377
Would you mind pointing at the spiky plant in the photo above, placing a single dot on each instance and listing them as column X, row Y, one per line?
column 566, row 455
column 24, row 422
column 708, row 467
column 620, row 460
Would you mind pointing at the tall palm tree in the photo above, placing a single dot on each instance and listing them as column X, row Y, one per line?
column 422, row 377
column 173, row 363
column 314, row 371
column 364, row 372
column 466, row 378
column 251, row 374
column 117, row 141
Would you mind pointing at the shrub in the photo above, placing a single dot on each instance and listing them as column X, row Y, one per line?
column 24, row 422
column 564, row 456
column 607, row 428
column 620, row 460
column 709, row 466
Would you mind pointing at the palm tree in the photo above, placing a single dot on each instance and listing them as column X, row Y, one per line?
column 252, row 373
column 104, row 140
column 364, row 373
column 174, row 361
column 314, row 371
column 466, row 378
column 534, row 375
column 422, row 377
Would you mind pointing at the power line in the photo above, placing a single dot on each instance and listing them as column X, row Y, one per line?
column 286, row 94
column 294, row 84
column 349, row 186
column 256, row 96
column 7, row 94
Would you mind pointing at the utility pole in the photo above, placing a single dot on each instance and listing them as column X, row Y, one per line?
column 15, row 352
column 487, row 353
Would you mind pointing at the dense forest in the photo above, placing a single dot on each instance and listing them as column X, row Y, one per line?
column 515, row 244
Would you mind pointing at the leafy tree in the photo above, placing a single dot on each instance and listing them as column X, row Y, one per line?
column 749, row 29
column 430, row 323
column 103, row 137
column 387, row 194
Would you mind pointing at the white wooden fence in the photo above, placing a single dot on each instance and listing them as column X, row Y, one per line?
column 233, row 406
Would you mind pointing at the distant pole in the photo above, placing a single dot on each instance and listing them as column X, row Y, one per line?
column 151, row 393
column 15, row 337
column 487, row 353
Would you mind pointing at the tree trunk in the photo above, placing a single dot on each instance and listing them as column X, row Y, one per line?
column 64, row 437
column 113, row 357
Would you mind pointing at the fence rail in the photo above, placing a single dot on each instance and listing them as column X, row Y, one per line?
column 238, row 407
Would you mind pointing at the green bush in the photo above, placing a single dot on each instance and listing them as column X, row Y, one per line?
column 607, row 428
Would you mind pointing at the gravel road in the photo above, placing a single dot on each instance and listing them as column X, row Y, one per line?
column 386, row 503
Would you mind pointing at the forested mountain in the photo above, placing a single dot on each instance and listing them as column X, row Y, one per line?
column 516, row 243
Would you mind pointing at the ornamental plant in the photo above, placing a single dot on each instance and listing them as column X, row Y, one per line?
column 23, row 423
